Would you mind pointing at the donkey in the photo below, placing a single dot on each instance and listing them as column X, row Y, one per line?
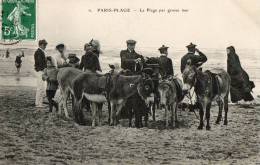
column 170, row 95
column 125, row 87
column 95, row 88
column 65, row 77
column 208, row 86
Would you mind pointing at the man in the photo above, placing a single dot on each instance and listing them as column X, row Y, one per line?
column 196, row 60
column 130, row 60
column 166, row 67
column 40, row 65
column 61, row 58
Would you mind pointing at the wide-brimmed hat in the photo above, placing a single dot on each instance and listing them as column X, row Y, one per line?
column 130, row 41
column 43, row 41
column 60, row 46
column 191, row 45
column 162, row 48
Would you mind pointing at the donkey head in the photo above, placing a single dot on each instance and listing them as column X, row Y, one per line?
column 145, row 86
column 189, row 76
column 165, row 91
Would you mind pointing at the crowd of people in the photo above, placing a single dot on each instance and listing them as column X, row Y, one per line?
column 46, row 68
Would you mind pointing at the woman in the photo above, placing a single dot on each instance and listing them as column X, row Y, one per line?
column 61, row 59
column 241, row 86
column 90, row 61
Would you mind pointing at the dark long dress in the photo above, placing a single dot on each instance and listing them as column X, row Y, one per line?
column 241, row 86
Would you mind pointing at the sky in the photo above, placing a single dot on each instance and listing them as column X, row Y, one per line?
column 208, row 23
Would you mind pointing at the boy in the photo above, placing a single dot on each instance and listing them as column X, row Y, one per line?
column 50, row 75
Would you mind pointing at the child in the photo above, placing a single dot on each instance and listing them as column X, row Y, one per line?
column 73, row 60
column 18, row 62
column 50, row 75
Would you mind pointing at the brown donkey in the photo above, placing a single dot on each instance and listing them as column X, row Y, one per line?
column 208, row 86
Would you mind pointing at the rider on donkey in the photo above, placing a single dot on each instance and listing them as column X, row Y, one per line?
column 196, row 60
column 165, row 63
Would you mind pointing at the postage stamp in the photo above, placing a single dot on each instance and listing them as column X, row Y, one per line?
column 19, row 19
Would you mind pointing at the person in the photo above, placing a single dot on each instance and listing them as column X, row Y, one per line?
column 90, row 60
column 165, row 63
column 196, row 60
column 18, row 61
column 7, row 53
column 73, row 60
column 40, row 65
column 50, row 75
column 60, row 59
column 241, row 86
column 132, row 61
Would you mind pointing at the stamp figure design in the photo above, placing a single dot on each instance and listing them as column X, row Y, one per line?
column 19, row 19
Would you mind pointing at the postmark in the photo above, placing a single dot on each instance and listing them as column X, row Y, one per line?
column 18, row 20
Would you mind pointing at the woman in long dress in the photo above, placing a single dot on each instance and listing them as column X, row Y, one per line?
column 241, row 86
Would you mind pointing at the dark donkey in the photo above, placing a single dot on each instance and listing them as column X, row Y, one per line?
column 95, row 88
column 125, row 87
column 208, row 85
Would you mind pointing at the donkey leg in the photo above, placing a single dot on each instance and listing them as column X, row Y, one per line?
column 153, row 109
column 175, row 107
column 61, row 103
column 118, row 112
column 201, row 112
column 166, row 117
column 226, row 109
column 220, row 105
column 65, row 107
column 112, row 115
column 130, row 117
column 80, row 114
column 208, row 115
column 172, row 114
column 100, row 114
column 76, row 108
column 109, row 112
column 94, row 111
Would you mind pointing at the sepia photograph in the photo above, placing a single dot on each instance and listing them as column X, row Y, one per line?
column 118, row 82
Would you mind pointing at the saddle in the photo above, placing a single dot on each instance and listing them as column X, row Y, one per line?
column 216, row 79
column 178, row 84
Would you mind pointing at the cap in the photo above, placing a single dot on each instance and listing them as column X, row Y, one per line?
column 131, row 41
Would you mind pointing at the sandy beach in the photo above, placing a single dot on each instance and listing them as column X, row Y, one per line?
column 34, row 136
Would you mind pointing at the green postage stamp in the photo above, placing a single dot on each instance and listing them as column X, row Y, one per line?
column 19, row 19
